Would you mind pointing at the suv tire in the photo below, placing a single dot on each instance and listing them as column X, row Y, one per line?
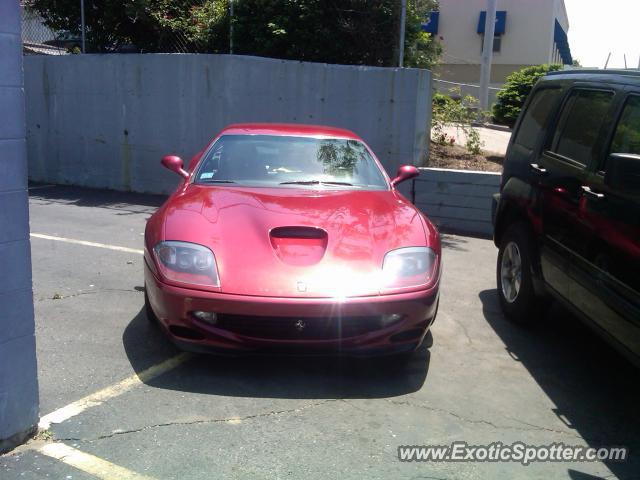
column 515, row 275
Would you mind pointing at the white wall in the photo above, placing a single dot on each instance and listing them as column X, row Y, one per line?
column 106, row 120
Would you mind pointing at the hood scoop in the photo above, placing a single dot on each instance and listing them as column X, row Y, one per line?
column 299, row 245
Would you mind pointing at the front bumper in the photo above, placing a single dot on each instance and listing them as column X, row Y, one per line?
column 255, row 316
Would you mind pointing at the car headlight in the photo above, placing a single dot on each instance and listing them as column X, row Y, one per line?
column 408, row 267
column 187, row 263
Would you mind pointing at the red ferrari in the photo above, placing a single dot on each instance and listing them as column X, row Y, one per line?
column 291, row 238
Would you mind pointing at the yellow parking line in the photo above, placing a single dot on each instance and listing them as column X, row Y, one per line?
column 88, row 463
column 112, row 391
column 88, row 244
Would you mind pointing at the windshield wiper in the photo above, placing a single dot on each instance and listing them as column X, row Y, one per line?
column 315, row 182
column 338, row 183
column 213, row 180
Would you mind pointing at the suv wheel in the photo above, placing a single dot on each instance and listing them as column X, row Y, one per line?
column 514, row 275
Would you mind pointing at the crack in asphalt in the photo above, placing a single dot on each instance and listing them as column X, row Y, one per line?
column 538, row 427
column 462, row 326
column 486, row 422
column 427, row 477
column 464, row 329
column 344, row 400
column 87, row 292
column 198, row 422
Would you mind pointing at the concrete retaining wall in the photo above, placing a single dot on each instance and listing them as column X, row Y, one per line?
column 458, row 201
column 18, row 370
column 105, row 120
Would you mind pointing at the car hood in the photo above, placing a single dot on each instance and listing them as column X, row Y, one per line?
column 295, row 242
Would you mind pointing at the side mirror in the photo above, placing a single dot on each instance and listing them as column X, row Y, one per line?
column 623, row 172
column 175, row 164
column 405, row 172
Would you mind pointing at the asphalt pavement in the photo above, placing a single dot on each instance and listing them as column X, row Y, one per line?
column 119, row 401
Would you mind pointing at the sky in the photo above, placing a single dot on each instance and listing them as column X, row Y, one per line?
column 597, row 27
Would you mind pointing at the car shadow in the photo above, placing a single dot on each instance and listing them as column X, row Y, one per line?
column 596, row 391
column 452, row 242
column 271, row 376
column 125, row 202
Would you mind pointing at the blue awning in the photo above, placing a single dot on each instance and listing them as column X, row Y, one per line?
column 501, row 22
column 560, row 37
column 431, row 24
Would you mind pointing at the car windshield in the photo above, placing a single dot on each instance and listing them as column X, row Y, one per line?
column 288, row 161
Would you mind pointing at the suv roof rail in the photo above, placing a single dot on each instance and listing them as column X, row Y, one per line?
column 632, row 72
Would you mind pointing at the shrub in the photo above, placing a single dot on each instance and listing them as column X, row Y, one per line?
column 474, row 143
column 447, row 111
column 512, row 96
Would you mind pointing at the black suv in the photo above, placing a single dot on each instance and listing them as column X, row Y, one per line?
column 567, row 218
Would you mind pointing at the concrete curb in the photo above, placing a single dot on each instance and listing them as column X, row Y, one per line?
column 493, row 126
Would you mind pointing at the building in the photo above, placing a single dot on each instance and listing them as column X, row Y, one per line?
column 527, row 32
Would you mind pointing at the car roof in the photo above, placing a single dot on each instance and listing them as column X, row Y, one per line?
column 288, row 129
column 630, row 76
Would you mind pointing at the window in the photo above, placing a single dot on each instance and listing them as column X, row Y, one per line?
column 627, row 136
column 271, row 160
column 582, row 118
column 497, row 44
column 536, row 116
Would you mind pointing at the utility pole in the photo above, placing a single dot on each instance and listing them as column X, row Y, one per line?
column 230, row 27
column 84, row 50
column 403, row 21
column 487, row 55
column 607, row 62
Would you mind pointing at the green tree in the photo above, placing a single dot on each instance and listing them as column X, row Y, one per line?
column 421, row 49
column 151, row 25
column 360, row 32
column 512, row 96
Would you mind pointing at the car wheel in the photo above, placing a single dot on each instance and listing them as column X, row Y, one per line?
column 147, row 308
column 514, row 275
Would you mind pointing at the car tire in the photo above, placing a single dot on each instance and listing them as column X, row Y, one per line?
column 151, row 317
column 514, row 275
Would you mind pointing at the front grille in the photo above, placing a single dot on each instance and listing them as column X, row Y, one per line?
column 298, row 328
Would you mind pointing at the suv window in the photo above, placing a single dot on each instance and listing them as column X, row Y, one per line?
column 627, row 136
column 582, row 118
column 535, row 116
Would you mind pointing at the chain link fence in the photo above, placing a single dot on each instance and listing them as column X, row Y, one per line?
column 38, row 38
column 460, row 90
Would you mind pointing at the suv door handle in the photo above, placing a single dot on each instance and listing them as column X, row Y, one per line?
column 537, row 169
column 588, row 192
